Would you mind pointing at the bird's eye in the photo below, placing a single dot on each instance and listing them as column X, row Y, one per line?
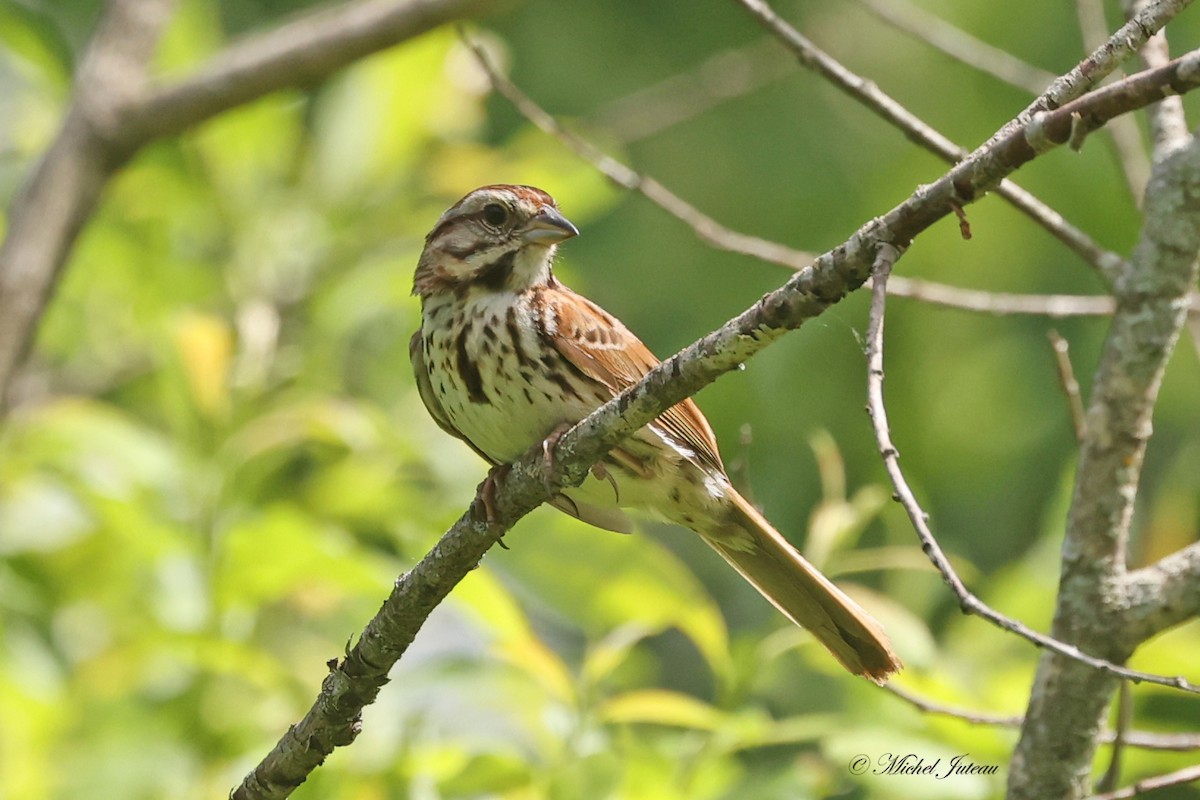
column 495, row 214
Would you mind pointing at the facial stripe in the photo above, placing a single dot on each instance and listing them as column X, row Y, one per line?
column 495, row 275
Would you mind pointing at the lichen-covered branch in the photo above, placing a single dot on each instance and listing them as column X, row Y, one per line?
column 1069, row 701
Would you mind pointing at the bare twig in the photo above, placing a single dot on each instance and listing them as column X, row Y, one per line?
column 1168, row 123
column 1120, row 739
column 1123, row 43
column 1066, row 377
column 922, row 134
column 1056, row 306
column 1124, row 134
column 927, row 706
column 704, row 226
column 960, row 45
column 1143, row 740
column 1177, row 778
column 968, row 602
column 1146, row 740
column 690, row 94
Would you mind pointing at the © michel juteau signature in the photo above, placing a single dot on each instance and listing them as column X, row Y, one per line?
column 913, row 764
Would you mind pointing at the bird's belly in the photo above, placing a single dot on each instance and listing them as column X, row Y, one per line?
column 509, row 422
column 504, row 390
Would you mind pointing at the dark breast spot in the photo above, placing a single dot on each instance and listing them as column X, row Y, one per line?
column 468, row 370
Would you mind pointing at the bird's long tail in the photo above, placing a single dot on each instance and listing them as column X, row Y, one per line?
column 803, row 594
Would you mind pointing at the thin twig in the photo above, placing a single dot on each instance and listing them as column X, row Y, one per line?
column 1168, row 123
column 1142, row 740
column 960, row 45
column 1055, row 306
column 921, row 133
column 704, row 226
column 1070, row 385
column 968, row 602
column 1120, row 739
column 1123, row 43
column 927, row 706
column 1124, row 134
column 679, row 98
column 1177, row 778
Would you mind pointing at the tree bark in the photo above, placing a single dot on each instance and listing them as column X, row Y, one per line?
column 1096, row 595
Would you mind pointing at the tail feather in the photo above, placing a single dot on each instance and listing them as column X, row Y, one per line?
column 804, row 595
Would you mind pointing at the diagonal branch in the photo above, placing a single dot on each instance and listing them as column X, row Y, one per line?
column 968, row 601
column 1143, row 740
column 891, row 111
column 115, row 113
column 960, row 45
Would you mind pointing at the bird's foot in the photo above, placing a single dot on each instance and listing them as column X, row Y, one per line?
column 485, row 495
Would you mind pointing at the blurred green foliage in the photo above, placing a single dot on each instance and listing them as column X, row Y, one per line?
column 221, row 464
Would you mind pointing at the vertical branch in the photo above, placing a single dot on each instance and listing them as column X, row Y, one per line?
column 1068, row 703
column 1066, row 376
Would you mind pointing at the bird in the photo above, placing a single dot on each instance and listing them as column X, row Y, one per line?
column 506, row 356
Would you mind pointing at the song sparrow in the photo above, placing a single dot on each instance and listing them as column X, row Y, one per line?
column 506, row 355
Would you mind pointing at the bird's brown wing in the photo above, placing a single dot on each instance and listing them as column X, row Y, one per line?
column 603, row 349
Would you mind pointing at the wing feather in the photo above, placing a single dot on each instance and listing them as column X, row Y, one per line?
column 599, row 346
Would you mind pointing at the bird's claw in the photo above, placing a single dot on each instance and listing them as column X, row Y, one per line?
column 549, row 468
column 602, row 473
column 486, row 496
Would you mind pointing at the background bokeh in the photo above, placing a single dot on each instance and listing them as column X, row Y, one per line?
column 219, row 463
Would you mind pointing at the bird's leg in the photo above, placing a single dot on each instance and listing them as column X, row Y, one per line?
column 549, row 468
column 486, row 496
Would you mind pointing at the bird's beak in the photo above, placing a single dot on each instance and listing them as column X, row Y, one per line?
column 548, row 227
